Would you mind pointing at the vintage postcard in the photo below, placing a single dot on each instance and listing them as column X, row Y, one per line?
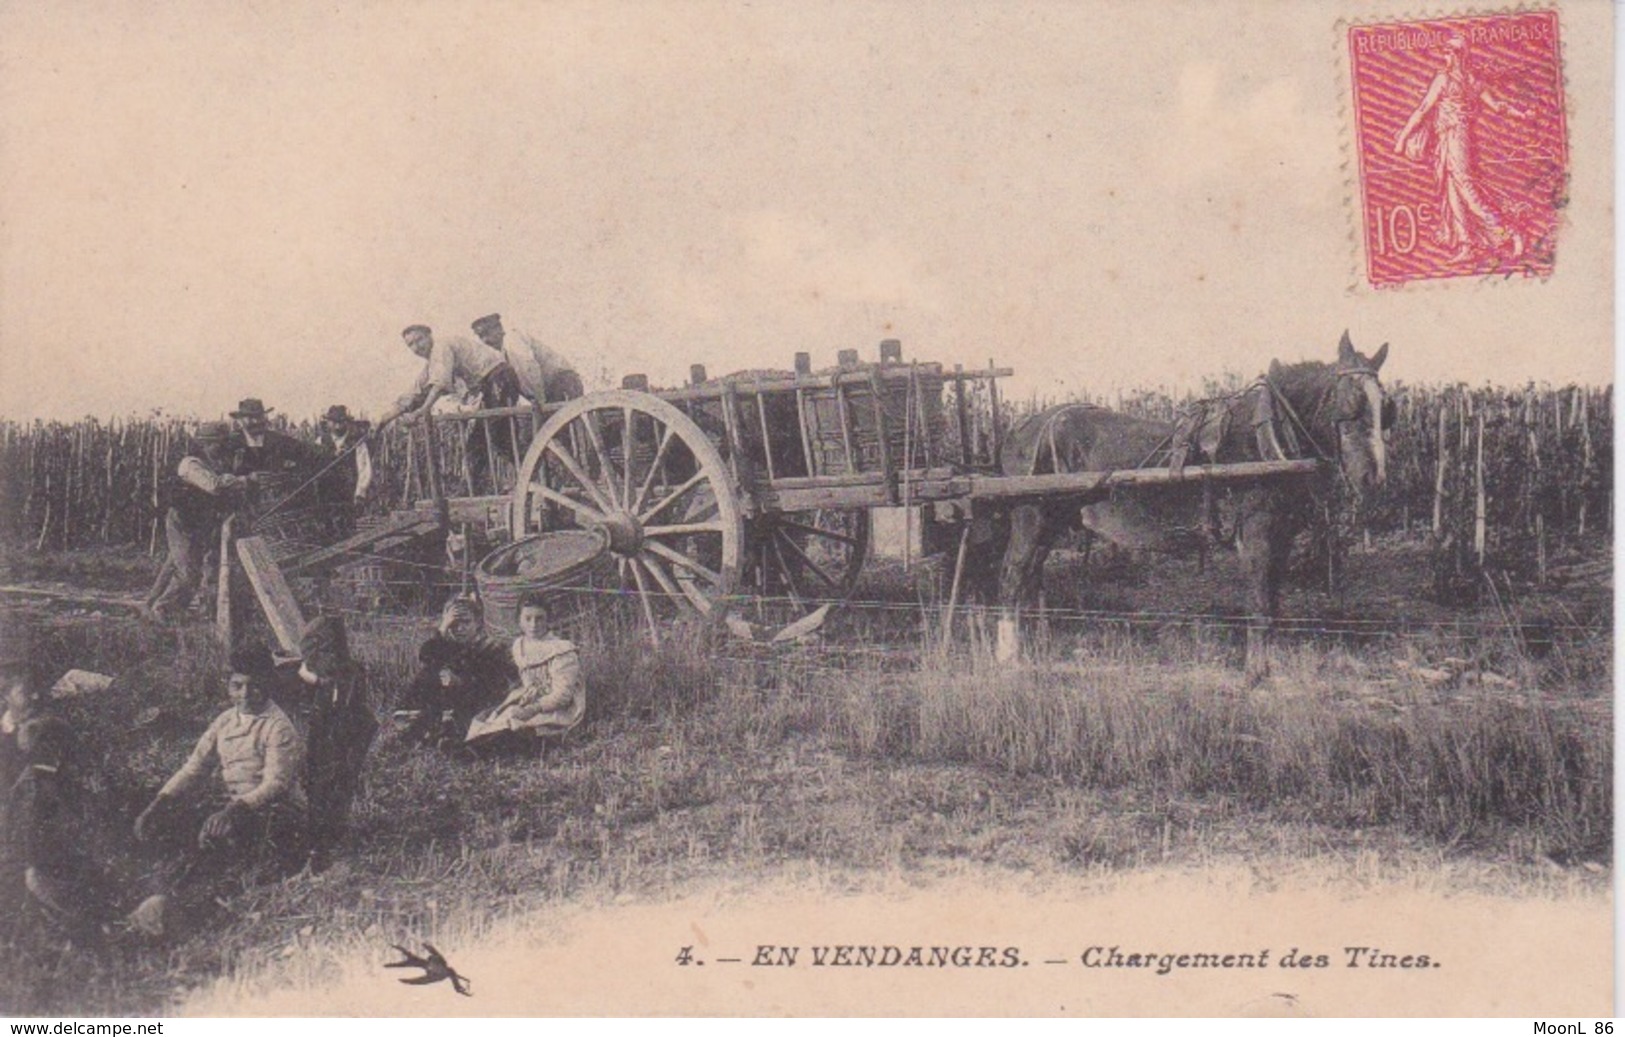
column 766, row 509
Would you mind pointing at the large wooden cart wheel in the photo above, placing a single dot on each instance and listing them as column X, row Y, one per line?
column 806, row 558
column 638, row 468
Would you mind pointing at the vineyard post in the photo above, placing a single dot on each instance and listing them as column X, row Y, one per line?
column 45, row 524
column 1535, row 482
column 33, row 458
column 1479, row 509
column 1585, row 456
column 107, row 503
column 75, row 475
column 1440, row 463
column 160, row 447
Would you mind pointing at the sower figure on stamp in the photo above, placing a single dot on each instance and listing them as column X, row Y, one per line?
column 255, row 817
column 327, row 701
column 1471, row 221
column 202, row 492
column 461, row 366
column 551, row 698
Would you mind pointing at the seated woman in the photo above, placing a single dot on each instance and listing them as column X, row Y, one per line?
column 551, row 697
column 461, row 671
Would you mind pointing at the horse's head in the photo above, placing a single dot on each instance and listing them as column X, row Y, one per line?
column 1360, row 411
column 1351, row 414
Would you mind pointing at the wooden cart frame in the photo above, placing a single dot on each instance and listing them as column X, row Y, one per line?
column 757, row 484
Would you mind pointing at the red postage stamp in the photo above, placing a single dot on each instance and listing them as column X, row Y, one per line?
column 1463, row 151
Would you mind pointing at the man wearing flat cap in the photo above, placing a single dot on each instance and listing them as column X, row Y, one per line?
column 544, row 376
column 255, row 815
column 344, row 486
column 457, row 365
column 202, row 491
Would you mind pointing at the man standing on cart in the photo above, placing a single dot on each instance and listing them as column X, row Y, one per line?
column 544, row 376
column 460, row 366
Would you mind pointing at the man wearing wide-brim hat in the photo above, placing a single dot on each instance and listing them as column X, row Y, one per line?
column 202, row 491
column 344, row 486
column 260, row 448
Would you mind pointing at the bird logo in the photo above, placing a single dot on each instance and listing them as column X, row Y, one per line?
column 435, row 968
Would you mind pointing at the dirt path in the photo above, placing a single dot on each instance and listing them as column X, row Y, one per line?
column 1485, row 955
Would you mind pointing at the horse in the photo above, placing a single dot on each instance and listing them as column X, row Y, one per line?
column 1336, row 412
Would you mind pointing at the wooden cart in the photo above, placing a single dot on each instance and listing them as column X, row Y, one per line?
column 757, row 484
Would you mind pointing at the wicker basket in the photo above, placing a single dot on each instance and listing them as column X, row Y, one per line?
column 571, row 568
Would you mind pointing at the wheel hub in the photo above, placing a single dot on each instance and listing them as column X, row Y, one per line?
column 625, row 532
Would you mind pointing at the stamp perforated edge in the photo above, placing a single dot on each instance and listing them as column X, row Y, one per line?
column 1349, row 160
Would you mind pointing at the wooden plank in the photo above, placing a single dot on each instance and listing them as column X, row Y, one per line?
column 960, row 416
column 1084, row 483
column 272, row 590
column 714, row 391
column 399, row 522
column 222, row 591
column 877, row 391
column 869, row 489
column 859, row 376
column 479, row 510
column 853, row 496
column 431, row 444
column 856, row 479
column 730, row 419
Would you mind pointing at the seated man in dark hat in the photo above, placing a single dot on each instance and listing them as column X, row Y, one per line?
column 347, row 468
column 457, row 365
column 544, row 376
column 202, row 492
column 255, row 817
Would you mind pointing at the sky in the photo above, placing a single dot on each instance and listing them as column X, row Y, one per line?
column 201, row 202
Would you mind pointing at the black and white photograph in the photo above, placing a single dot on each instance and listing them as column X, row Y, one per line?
column 559, row 508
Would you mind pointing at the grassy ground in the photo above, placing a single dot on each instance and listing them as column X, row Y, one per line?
column 1123, row 746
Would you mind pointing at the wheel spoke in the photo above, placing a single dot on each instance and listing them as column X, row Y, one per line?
column 574, row 468
column 819, row 531
column 682, row 529
column 654, row 467
column 683, row 561
column 662, row 577
column 789, row 575
column 604, row 460
column 643, row 598
column 627, row 441
column 673, row 495
column 808, row 562
column 581, row 508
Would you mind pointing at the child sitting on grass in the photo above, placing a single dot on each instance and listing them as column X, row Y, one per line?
column 551, row 698
column 462, row 672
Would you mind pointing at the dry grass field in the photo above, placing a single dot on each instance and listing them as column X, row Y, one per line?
column 1465, row 752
